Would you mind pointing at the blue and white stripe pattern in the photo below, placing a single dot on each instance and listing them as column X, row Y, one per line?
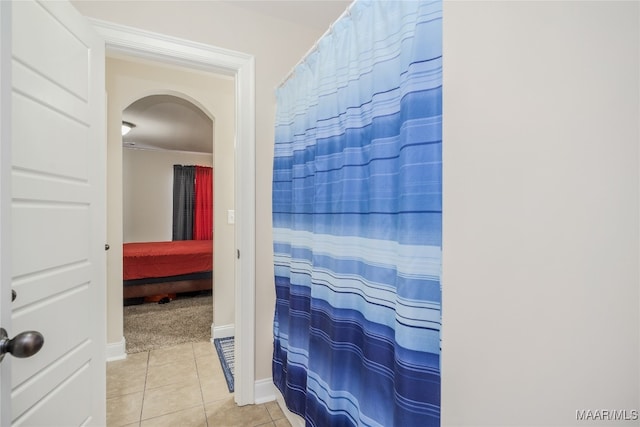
column 357, row 217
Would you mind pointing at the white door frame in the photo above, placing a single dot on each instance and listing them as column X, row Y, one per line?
column 185, row 53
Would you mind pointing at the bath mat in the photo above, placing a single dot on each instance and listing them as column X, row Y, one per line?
column 225, row 347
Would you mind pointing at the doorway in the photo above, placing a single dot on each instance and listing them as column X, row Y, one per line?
column 122, row 40
column 167, row 135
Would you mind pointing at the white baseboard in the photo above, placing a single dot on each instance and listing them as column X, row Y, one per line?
column 264, row 391
column 294, row 419
column 116, row 350
column 223, row 331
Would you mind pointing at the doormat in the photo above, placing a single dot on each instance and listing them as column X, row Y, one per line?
column 225, row 347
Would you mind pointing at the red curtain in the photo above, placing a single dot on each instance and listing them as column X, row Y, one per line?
column 203, row 215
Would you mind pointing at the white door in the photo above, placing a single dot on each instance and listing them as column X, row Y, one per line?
column 56, row 230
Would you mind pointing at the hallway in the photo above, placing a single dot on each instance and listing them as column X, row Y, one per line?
column 179, row 386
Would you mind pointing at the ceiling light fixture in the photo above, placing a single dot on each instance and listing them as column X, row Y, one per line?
column 126, row 127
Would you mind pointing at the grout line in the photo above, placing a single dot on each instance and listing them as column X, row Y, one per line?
column 147, row 367
column 144, row 390
column 170, row 413
column 195, row 362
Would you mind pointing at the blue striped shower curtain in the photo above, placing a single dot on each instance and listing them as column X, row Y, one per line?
column 357, row 218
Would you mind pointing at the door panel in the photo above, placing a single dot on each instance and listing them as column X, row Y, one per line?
column 71, row 135
column 43, row 228
column 57, row 215
column 57, row 281
column 58, row 55
column 39, row 386
column 63, row 334
column 56, row 405
column 28, row 82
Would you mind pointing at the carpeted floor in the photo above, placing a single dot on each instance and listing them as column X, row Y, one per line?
column 150, row 326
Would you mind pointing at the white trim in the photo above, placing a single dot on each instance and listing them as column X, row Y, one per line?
column 117, row 350
column 245, row 197
column 186, row 53
column 294, row 419
column 265, row 391
column 223, row 331
column 142, row 148
column 176, row 51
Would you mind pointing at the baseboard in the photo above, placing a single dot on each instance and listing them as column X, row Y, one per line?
column 264, row 391
column 223, row 331
column 116, row 350
column 294, row 419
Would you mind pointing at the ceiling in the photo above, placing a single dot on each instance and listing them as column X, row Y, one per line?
column 165, row 122
column 308, row 13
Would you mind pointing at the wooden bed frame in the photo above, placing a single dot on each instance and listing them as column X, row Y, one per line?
column 175, row 287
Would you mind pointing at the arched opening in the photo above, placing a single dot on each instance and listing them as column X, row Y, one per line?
column 170, row 135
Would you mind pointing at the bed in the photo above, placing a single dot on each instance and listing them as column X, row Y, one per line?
column 157, row 268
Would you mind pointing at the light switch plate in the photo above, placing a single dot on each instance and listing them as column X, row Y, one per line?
column 231, row 216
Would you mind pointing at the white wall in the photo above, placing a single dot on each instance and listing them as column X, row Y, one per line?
column 540, row 195
column 147, row 191
column 540, row 286
column 276, row 45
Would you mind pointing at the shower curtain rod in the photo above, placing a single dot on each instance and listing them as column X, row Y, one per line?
column 290, row 74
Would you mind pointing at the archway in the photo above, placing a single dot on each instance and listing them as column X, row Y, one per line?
column 168, row 131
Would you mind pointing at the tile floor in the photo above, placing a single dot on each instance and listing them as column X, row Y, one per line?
column 179, row 386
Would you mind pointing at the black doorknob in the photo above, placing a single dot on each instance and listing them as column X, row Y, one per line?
column 25, row 344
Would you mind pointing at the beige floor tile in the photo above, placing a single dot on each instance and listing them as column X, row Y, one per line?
column 133, row 361
column 282, row 423
column 127, row 376
column 123, row 410
column 209, row 366
column 121, row 384
column 226, row 413
column 171, row 398
column 161, row 375
column 192, row 417
column 214, row 388
column 274, row 410
column 174, row 355
column 205, row 348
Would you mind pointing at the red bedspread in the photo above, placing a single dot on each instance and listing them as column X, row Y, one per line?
column 160, row 259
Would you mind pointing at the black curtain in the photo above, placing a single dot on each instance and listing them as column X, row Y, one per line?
column 183, row 187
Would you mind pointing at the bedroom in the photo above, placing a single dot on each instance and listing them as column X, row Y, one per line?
column 136, row 88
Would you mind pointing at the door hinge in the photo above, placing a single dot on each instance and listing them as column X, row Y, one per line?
column 238, row 251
